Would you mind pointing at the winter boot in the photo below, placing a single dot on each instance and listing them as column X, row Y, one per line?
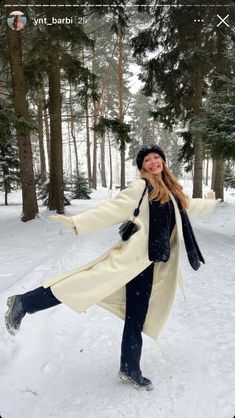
column 14, row 315
column 139, row 382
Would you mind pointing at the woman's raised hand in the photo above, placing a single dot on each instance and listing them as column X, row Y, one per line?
column 210, row 195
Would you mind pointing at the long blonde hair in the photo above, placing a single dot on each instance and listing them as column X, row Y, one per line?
column 162, row 186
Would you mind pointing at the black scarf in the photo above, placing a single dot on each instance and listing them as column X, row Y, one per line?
column 161, row 222
column 194, row 254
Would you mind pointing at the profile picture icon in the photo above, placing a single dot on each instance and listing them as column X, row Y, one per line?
column 16, row 20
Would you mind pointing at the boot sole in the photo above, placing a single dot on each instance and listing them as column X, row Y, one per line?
column 127, row 379
column 10, row 303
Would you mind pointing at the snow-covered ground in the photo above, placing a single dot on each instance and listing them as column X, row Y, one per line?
column 64, row 365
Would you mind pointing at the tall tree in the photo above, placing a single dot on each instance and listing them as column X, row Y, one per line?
column 40, row 104
column 9, row 167
column 23, row 127
column 46, row 124
column 119, row 26
column 56, row 194
column 120, row 35
column 102, row 162
column 220, row 68
column 216, row 126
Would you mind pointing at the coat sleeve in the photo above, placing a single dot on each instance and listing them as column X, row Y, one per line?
column 200, row 207
column 114, row 211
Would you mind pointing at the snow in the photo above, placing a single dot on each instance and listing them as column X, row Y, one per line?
column 64, row 365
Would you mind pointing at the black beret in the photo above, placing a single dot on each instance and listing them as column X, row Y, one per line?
column 145, row 151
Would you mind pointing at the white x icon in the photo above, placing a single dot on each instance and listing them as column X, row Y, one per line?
column 222, row 20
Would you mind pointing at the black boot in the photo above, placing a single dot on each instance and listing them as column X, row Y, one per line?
column 15, row 314
column 29, row 302
column 139, row 382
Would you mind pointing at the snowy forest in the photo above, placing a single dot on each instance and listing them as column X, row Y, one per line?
column 83, row 86
column 73, row 96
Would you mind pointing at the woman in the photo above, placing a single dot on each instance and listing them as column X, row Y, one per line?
column 136, row 279
column 17, row 24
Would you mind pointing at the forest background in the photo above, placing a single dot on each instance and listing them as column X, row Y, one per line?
column 74, row 96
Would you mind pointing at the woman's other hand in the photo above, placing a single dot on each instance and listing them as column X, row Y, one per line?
column 66, row 220
column 210, row 195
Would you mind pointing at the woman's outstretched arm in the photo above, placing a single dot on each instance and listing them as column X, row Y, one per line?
column 112, row 212
column 200, row 207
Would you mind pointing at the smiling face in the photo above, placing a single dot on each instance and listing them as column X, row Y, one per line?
column 153, row 163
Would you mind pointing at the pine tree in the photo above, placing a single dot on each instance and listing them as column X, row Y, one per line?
column 177, row 76
column 80, row 187
column 174, row 162
column 9, row 167
column 216, row 126
column 44, row 192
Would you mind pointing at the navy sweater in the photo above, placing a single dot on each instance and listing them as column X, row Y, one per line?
column 161, row 224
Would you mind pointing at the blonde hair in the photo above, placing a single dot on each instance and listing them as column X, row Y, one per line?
column 162, row 185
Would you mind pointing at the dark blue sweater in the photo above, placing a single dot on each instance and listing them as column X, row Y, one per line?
column 161, row 224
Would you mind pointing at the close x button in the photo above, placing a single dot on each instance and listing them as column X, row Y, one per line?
column 222, row 20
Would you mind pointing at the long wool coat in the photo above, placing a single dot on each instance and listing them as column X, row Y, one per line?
column 102, row 281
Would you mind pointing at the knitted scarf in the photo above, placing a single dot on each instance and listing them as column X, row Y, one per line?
column 194, row 254
column 160, row 228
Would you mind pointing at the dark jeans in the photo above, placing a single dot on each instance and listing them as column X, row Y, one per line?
column 138, row 292
column 38, row 299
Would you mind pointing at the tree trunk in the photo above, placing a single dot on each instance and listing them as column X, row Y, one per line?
column 56, row 194
column 5, row 178
column 88, row 148
column 6, row 195
column 213, row 174
column 6, row 186
column 197, row 84
column 73, row 131
column 198, row 146
column 30, row 207
column 94, row 175
column 75, row 146
column 102, row 156
column 70, row 153
column 47, row 129
column 219, row 179
column 121, row 100
column 207, row 170
column 110, row 164
column 40, row 136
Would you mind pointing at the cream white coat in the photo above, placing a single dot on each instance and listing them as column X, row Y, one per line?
column 102, row 282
